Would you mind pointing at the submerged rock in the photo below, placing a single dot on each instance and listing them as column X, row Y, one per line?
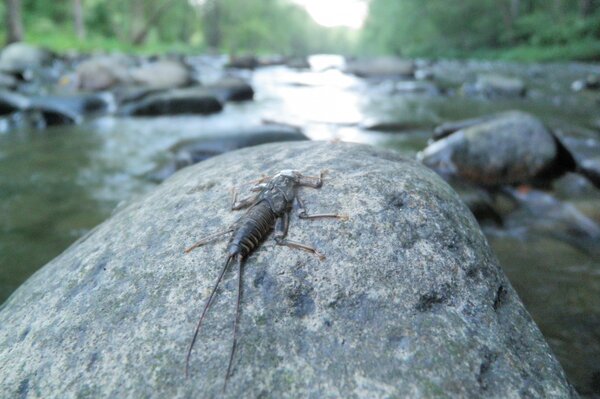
column 508, row 148
column 590, row 168
column 392, row 126
column 52, row 114
column 549, row 216
column 416, row 87
column 79, row 104
column 243, row 62
column 231, row 89
column 12, row 102
column 591, row 82
column 194, row 151
column 493, row 85
column 298, row 63
column 381, row 67
column 195, row 100
column 409, row 302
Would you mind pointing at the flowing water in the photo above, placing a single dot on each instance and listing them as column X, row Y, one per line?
column 58, row 183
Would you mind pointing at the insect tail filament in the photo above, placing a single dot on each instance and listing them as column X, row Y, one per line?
column 206, row 307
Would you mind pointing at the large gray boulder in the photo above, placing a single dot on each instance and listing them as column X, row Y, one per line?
column 506, row 148
column 19, row 57
column 162, row 74
column 409, row 302
column 103, row 72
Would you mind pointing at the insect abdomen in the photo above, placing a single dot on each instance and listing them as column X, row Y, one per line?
column 251, row 229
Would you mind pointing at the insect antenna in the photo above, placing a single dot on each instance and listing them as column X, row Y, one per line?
column 235, row 322
column 206, row 307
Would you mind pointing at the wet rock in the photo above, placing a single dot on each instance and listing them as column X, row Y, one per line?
column 194, row 151
column 591, row 82
column 394, row 126
column 409, row 302
column 130, row 94
column 243, row 62
column 103, row 72
column 16, row 58
column 509, row 148
column 7, row 81
column 485, row 205
column 548, row 216
column 12, row 102
column 416, row 87
column 582, row 147
column 78, row 104
column 590, row 168
column 493, row 85
column 231, row 89
column 162, row 74
column 271, row 60
column 381, row 67
column 46, row 111
column 447, row 128
column 424, row 74
column 195, row 100
column 298, row 63
column 51, row 114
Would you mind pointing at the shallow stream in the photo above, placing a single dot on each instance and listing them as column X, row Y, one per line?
column 58, row 183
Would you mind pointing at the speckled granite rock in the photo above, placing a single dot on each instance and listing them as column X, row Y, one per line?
column 410, row 301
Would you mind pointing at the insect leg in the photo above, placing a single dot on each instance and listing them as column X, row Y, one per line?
column 311, row 181
column 303, row 215
column 244, row 202
column 208, row 239
column 281, row 228
column 206, row 307
column 235, row 321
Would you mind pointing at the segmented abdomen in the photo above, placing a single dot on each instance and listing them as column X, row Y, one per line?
column 251, row 229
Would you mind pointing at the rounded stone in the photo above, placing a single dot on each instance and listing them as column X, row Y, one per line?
column 508, row 148
column 409, row 301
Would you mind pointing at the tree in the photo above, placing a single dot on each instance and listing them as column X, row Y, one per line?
column 14, row 24
column 78, row 19
column 586, row 7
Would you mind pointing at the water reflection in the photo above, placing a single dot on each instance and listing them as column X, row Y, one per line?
column 43, row 206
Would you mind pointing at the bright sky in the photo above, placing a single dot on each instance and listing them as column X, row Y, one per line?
column 350, row 13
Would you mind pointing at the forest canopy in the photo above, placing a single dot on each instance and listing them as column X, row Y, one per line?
column 519, row 29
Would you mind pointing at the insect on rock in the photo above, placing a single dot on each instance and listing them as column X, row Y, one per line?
column 268, row 208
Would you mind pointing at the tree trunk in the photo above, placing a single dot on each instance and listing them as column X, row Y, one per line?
column 140, row 36
column 212, row 24
column 78, row 19
column 558, row 6
column 515, row 9
column 14, row 24
column 586, row 8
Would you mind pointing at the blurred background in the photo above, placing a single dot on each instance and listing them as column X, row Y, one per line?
column 100, row 100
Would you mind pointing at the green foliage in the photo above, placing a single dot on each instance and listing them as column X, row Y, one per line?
column 234, row 26
column 508, row 29
column 268, row 26
column 513, row 29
